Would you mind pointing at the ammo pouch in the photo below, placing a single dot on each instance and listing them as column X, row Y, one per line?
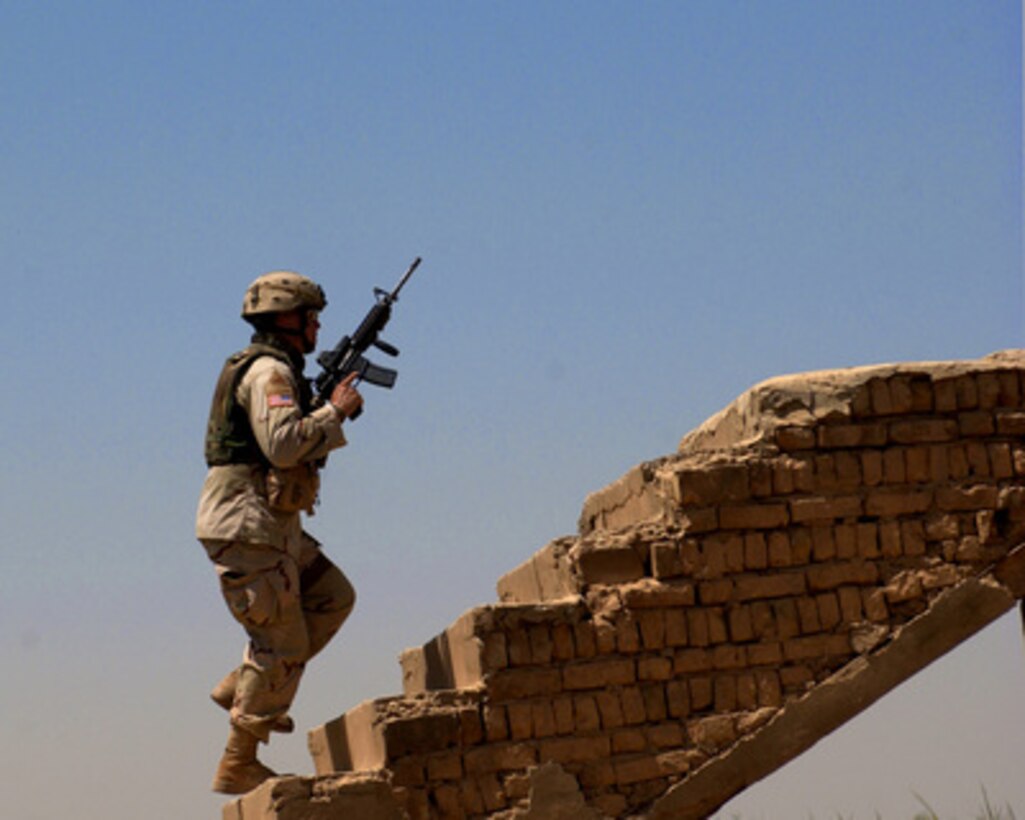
column 294, row 489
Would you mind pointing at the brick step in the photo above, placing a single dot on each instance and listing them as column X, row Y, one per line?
column 367, row 796
column 377, row 733
column 479, row 644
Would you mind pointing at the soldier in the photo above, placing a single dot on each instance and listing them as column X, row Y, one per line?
column 265, row 445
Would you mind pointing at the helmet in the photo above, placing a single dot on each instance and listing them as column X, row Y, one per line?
column 281, row 291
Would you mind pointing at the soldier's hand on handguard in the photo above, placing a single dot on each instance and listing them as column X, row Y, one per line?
column 346, row 399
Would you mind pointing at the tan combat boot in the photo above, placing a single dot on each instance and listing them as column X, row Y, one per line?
column 239, row 771
column 223, row 695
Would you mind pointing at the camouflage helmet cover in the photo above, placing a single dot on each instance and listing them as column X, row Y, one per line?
column 281, row 291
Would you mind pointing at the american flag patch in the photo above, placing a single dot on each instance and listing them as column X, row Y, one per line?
column 280, row 400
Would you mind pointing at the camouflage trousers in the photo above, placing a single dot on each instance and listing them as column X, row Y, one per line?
column 290, row 608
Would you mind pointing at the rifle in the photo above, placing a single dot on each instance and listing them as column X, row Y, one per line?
column 347, row 356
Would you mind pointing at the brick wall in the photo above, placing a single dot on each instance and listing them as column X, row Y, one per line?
column 721, row 609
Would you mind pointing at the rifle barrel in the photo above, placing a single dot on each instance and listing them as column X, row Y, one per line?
column 405, row 277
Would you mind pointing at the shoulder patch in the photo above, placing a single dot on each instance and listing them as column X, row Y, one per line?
column 280, row 400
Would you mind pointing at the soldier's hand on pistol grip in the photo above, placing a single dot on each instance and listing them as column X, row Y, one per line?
column 346, row 399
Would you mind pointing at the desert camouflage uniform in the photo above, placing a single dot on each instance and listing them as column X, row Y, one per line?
column 277, row 583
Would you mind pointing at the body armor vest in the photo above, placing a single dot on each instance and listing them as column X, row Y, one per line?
column 229, row 436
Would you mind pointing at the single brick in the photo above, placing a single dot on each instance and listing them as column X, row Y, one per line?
column 897, row 501
column 957, row 462
column 628, row 636
column 1011, row 423
column 967, row 392
column 763, row 622
column 851, row 435
column 544, row 718
column 848, row 470
column 700, row 693
column 939, row 463
column 654, row 696
column 676, row 627
column 770, row 692
column 779, row 544
column 1001, row 460
column 697, row 627
column 824, row 508
column 728, row 656
column 665, row 735
column 597, row 674
column 652, row 623
column 912, row 538
column 575, row 749
column 715, row 592
column 814, row 647
column 497, row 757
column 586, row 716
column 565, row 717
column 800, row 546
column 496, row 725
column 756, row 550
column 868, row 540
column 725, row 693
column 795, row 438
column 946, row 396
column 677, row 698
column 716, row 625
column 978, row 458
column 875, row 605
column 890, row 545
column 665, row 560
column 689, row 661
column 826, row 480
column 787, row 623
column 562, row 642
column 1010, row 393
column 779, row 585
column 741, row 625
column 923, row 431
column 871, row 467
column 517, row 643
column 823, row 543
column 846, row 538
column 521, row 720
column 540, row 644
column 829, row 609
column 628, row 740
column 634, row 712
column 977, row 497
column 901, row 395
column 765, row 654
column 828, row 577
column 976, row 423
column 753, row 516
column 654, row 669
column 894, row 468
column 988, row 390
column 584, row 639
column 610, row 709
column 850, row 604
column 808, row 615
column 916, row 462
column 747, row 692
column 713, row 485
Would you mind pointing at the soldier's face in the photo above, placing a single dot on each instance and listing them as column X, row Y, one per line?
column 310, row 329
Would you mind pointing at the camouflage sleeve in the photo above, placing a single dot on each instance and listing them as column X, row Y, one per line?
column 287, row 437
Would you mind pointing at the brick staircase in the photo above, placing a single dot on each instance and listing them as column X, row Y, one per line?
column 721, row 609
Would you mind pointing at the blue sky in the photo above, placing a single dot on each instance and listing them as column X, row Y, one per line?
column 628, row 213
